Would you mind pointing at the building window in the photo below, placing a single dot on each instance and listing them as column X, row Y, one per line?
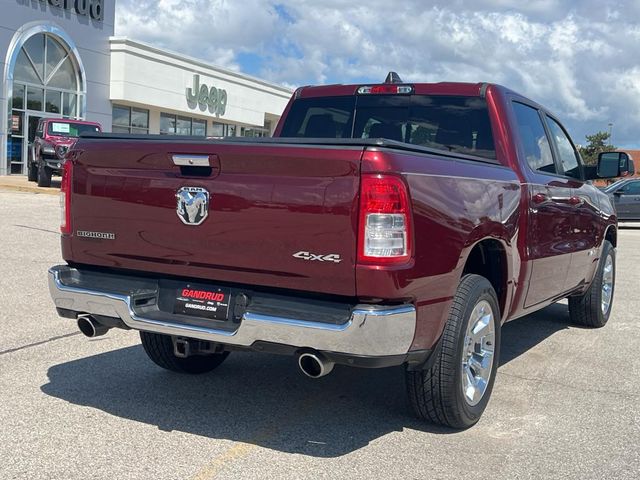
column 218, row 129
column 199, row 128
column 178, row 125
column 183, row 126
column 130, row 120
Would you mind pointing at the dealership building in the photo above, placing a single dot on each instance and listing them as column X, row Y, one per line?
column 61, row 60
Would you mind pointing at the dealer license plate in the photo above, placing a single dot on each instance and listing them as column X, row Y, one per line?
column 212, row 303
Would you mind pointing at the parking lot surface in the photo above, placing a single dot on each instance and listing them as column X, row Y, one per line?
column 565, row 404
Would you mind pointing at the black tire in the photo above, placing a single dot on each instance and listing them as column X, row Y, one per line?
column 586, row 310
column 436, row 394
column 32, row 172
column 159, row 349
column 44, row 175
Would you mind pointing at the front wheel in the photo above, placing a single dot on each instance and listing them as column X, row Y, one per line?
column 32, row 172
column 159, row 348
column 455, row 391
column 594, row 307
column 44, row 175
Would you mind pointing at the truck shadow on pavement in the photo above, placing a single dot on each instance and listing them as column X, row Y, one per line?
column 262, row 399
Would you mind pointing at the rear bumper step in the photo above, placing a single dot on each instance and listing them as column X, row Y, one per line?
column 370, row 330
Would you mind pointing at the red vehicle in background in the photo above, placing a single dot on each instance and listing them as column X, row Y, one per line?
column 54, row 137
column 384, row 225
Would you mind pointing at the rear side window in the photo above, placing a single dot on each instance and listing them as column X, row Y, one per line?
column 449, row 123
column 534, row 139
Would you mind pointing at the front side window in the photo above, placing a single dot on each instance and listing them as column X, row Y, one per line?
column 631, row 188
column 568, row 155
column 533, row 138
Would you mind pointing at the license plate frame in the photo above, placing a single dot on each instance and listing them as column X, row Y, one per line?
column 211, row 303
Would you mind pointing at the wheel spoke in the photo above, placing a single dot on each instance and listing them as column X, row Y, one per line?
column 478, row 352
column 482, row 327
column 607, row 284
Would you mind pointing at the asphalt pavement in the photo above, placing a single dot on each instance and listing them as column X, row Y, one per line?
column 565, row 404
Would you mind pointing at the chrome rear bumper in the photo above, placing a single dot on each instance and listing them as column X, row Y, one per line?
column 370, row 330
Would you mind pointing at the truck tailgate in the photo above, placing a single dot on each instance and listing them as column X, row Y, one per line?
column 279, row 215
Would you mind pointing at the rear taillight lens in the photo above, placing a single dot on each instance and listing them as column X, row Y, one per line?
column 385, row 221
column 65, row 198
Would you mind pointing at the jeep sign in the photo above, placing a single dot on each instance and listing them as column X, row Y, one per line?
column 85, row 8
column 207, row 98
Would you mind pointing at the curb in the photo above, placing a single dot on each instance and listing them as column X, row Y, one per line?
column 9, row 187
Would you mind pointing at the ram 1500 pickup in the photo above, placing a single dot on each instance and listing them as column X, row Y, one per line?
column 383, row 225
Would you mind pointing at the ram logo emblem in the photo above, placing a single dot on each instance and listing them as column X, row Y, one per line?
column 193, row 205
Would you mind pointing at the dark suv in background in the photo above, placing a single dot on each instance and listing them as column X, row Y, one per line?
column 54, row 137
column 625, row 195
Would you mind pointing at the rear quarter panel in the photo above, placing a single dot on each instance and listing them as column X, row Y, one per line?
column 456, row 203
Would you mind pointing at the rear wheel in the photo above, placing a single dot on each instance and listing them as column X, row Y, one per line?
column 455, row 391
column 44, row 175
column 159, row 348
column 594, row 307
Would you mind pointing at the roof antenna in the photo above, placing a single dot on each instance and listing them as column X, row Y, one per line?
column 393, row 77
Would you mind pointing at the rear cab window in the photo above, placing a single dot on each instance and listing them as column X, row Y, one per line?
column 449, row 123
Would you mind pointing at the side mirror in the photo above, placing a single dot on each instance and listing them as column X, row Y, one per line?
column 614, row 164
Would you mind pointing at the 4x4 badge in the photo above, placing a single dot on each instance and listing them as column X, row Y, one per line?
column 332, row 257
column 193, row 205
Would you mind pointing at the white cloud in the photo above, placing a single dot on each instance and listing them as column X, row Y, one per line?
column 578, row 58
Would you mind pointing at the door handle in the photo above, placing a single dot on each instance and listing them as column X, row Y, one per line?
column 567, row 200
column 539, row 198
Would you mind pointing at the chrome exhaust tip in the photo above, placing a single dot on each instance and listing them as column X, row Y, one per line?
column 314, row 365
column 90, row 327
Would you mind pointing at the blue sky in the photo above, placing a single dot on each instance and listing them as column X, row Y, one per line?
column 579, row 58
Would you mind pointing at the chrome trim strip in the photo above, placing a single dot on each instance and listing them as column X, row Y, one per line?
column 371, row 331
column 191, row 160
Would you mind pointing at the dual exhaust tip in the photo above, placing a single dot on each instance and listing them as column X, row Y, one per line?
column 312, row 364
column 90, row 327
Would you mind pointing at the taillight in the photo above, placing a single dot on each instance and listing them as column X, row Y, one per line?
column 385, row 221
column 65, row 198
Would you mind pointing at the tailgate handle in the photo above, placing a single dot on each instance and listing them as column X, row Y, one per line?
column 197, row 165
column 192, row 160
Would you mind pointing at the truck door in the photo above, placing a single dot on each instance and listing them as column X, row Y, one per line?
column 549, row 245
column 627, row 201
column 586, row 222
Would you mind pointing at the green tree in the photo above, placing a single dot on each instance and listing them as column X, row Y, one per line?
column 597, row 143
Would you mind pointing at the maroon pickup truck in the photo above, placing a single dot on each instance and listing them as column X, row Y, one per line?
column 384, row 225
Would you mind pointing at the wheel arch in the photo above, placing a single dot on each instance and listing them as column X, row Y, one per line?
column 489, row 258
column 611, row 234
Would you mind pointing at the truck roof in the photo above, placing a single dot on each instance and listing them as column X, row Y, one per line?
column 70, row 120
